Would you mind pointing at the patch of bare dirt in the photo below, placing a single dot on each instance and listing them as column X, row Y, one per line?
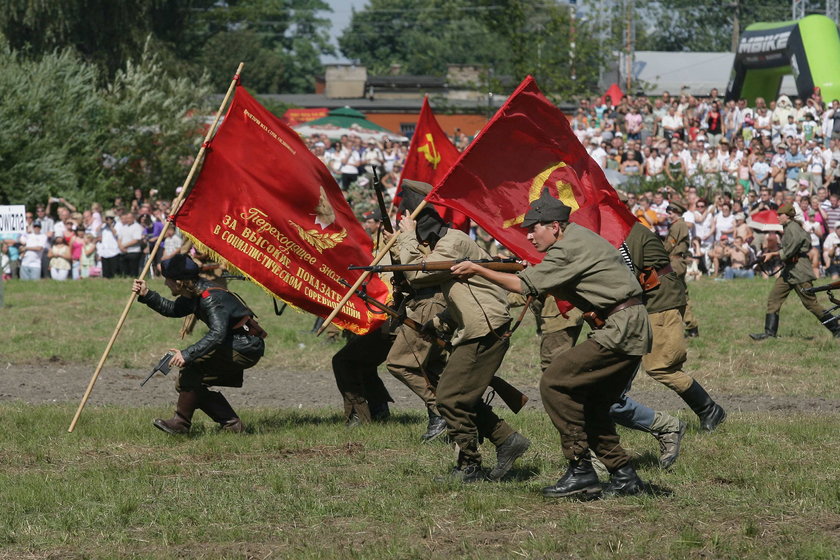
column 272, row 387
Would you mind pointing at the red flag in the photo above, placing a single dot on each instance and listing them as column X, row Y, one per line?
column 526, row 147
column 430, row 155
column 267, row 205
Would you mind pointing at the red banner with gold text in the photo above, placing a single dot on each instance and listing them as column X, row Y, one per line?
column 267, row 205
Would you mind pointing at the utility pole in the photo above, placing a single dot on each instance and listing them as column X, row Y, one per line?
column 572, row 10
column 832, row 10
column 798, row 9
column 628, row 44
column 736, row 25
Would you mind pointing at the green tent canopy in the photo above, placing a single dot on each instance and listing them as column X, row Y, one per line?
column 346, row 120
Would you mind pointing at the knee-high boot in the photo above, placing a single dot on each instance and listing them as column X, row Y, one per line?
column 710, row 413
column 181, row 422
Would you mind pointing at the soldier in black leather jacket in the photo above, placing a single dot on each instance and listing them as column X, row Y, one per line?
column 233, row 344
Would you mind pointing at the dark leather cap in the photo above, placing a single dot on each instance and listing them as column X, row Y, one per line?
column 179, row 267
column 546, row 209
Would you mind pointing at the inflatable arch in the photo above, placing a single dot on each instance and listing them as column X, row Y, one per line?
column 808, row 48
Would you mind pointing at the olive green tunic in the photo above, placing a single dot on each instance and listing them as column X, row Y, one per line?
column 585, row 270
column 677, row 244
column 794, row 254
column 647, row 250
column 475, row 307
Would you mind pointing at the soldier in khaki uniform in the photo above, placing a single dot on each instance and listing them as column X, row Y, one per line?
column 557, row 332
column 665, row 303
column 581, row 384
column 476, row 312
column 415, row 361
column 678, row 244
column 797, row 274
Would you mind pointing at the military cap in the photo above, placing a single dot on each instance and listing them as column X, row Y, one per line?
column 179, row 267
column 417, row 186
column 787, row 209
column 676, row 207
column 373, row 215
column 546, row 209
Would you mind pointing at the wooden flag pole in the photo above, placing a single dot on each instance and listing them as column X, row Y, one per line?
column 366, row 273
column 176, row 204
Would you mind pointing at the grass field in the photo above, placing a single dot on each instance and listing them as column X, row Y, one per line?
column 299, row 485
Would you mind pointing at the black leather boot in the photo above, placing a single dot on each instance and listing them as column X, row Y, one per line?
column 832, row 323
column 771, row 327
column 435, row 427
column 507, row 452
column 181, row 422
column 624, row 482
column 710, row 413
column 580, row 479
column 217, row 407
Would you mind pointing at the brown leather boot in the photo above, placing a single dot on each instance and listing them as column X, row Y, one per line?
column 181, row 422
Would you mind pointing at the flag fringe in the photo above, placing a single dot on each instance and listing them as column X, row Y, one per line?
column 216, row 257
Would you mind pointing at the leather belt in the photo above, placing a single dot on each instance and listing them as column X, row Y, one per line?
column 597, row 320
column 623, row 305
column 665, row 270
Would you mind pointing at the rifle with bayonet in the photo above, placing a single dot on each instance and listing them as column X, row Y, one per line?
column 502, row 265
column 513, row 397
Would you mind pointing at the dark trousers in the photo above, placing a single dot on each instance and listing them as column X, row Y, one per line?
column 111, row 266
column 467, row 375
column 354, row 367
column 221, row 367
column 130, row 264
column 577, row 391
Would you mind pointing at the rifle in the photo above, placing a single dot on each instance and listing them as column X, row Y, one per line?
column 163, row 366
column 826, row 288
column 380, row 199
column 502, row 265
column 513, row 397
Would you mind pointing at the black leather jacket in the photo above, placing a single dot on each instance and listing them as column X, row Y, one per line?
column 219, row 310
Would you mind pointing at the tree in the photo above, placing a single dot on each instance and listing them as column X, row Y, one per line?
column 281, row 40
column 692, row 25
column 66, row 136
column 423, row 36
column 511, row 38
column 104, row 32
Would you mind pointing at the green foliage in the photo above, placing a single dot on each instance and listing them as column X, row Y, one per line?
column 104, row 32
column 65, row 135
column 154, row 127
column 281, row 40
column 689, row 25
column 505, row 37
column 53, row 120
column 423, row 36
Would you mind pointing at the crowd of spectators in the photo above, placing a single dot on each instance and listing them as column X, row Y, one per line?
column 725, row 161
column 63, row 242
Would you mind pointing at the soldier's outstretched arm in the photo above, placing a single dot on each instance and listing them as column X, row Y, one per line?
column 506, row 280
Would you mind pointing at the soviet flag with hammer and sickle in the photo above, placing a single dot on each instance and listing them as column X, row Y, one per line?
column 526, row 147
column 430, row 155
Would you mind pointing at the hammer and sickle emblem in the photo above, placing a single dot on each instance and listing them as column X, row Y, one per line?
column 430, row 152
column 565, row 194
